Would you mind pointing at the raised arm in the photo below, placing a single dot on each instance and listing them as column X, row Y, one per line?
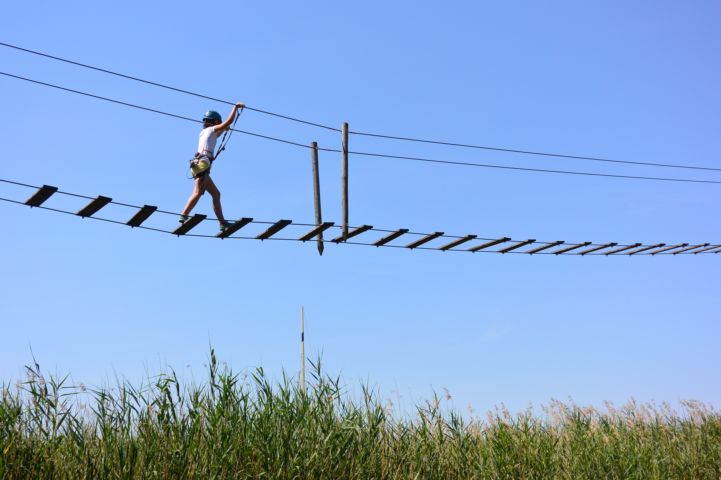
column 228, row 121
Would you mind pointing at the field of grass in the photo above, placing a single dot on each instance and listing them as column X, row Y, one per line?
column 235, row 427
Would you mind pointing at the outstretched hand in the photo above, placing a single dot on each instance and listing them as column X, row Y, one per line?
column 240, row 105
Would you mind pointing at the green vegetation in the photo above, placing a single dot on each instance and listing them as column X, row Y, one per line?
column 245, row 427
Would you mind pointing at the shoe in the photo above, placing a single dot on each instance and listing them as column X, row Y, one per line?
column 225, row 225
column 183, row 219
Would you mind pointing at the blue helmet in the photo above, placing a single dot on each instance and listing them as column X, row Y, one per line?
column 212, row 116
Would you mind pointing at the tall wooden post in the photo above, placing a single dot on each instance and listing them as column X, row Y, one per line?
column 316, row 194
column 344, row 134
column 302, row 349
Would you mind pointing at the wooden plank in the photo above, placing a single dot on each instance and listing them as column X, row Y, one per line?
column 647, row 248
column 390, row 237
column 712, row 247
column 353, row 233
column 573, row 247
column 423, row 240
column 489, row 244
column 672, row 247
column 694, row 247
column 141, row 216
column 544, row 247
column 623, row 249
column 317, row 231
column 518, row 245
column 189, row 224
column 39, row 197
column 600, row 247
column 275, row 228
column 92, row 207
column 455, row 243
column 237, row 225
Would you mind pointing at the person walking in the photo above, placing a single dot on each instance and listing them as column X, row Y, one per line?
column 213, row 126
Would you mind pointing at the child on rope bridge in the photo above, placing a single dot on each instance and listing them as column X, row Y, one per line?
column 213, row 125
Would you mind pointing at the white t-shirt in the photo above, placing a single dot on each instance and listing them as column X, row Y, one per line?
column 206, row 142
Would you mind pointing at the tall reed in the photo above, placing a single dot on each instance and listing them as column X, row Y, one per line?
column 234, row 426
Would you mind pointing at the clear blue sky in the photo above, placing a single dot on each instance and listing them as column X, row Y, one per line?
column 629, row 80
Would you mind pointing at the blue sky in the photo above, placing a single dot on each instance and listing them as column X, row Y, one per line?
column 626, row 80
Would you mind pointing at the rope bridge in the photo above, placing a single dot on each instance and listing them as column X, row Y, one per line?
column 265, row 230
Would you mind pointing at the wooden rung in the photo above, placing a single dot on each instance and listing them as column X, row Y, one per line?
column 623, row 249
column 455, row 243
column 572, row 247
column 189, row 224
column 275, row 228
column 544, row 247
column 40, row 196
column 237, row 225
column 647, row 248
column 694, row 247
column 141, row 216
column 423, row 240
column 518, row 245
column 600, row 247
column 92, row 207
column 672, row 247
column 390, row 237
column 712, row 247
column 489, row 244
column 353, row 233
column 316, row 231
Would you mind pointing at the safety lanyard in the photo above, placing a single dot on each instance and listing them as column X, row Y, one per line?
column 226, row 136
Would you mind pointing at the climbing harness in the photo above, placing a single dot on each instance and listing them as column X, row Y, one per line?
column 200, row 164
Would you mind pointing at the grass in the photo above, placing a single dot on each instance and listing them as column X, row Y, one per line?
column 235, row 427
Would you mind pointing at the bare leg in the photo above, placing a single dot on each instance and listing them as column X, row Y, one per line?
column 215, row 194
column 194, row 197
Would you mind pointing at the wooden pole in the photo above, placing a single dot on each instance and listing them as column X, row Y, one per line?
column 344, row 134
column 302, row 349
column 316, row 194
